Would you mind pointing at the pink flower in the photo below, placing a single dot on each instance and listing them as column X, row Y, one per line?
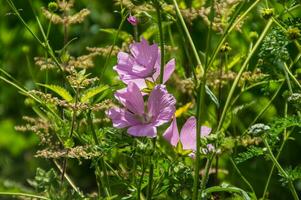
column 187, row 136
column 143, row 62
column 139, row 119
column 133, row 20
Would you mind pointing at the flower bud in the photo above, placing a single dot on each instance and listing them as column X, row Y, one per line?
column 52, row 6
column 132, row 20
column 225, row 48
column 293, row 33
column 267, row 13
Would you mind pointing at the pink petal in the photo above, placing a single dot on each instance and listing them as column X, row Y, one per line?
column 205, row 131
column 161, row 105
column 143, row 130
column 144, row 53
column 168, row 70
column 131, row 98
column 118, row 117
column 172, row 133
column 188, row 134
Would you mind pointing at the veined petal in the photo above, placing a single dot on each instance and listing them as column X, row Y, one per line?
column 117, row 116
column 168, row 70
column 161, row 105
column 172, row 133
column 188, row 134
column 131, row 97
column 144, row 53
column 143, row 130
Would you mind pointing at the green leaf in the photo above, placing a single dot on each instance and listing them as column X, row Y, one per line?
column 59, row 90
column 250, row 153
column 279, row 124
column 227, row 188
column 88, row 94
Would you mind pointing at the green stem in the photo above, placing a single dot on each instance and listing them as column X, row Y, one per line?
column 291, row 75
column 197, row 57
column 242, row 177
column 245, row 64
column 140, row 180
column 230, row 28
column 268, row 104
column 271, row 172
column 285, row 135
column 151, row 171
column 281, row 170
column 72, row 184
column 159, row 16
column 22, row 195
column 104, row 181
column 206, row 174
column 200, row 110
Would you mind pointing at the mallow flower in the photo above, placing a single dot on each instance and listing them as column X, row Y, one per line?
column 142, row 64
column 187, row 135
column 141, row 119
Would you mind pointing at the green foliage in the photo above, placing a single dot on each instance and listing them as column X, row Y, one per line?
column 251, row 152
column 278, row 125
column 274, row 47
column 293, row 174
column 60, row 91
column 49, row 183
column 88, row 94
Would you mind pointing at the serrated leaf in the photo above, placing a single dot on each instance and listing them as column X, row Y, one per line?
column 279, row 124
column 59, row 90
column 92, row 92
column 250, row 153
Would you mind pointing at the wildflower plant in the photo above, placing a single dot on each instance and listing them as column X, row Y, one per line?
column 108, row 117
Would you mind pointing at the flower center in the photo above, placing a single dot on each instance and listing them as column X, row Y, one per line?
column 144, row 118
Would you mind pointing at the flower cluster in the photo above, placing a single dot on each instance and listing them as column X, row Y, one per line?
column 141, row 113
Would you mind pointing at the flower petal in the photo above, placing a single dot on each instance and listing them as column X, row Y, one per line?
column 144, row 53
column 131, row 97
column 143, row 130
column 172, row 133
column 188, row 134
column 161, row 105
column 205, row 131
column 168, row 70
column 117, row 116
